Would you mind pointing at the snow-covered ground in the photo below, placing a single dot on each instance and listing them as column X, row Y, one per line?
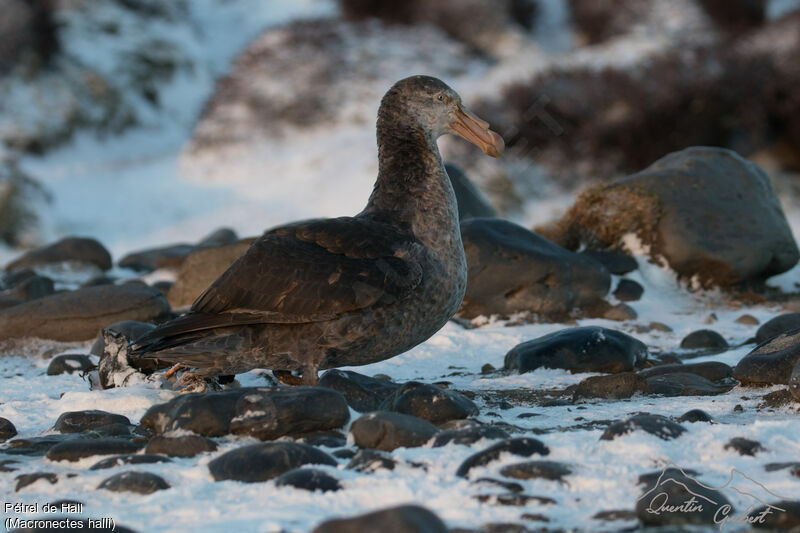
column 130, row 192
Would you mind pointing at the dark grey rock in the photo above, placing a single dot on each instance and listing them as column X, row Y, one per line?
column 516, row 500
column 711, row 214
column 129, row 459
column 469, row 435
column 704, row 339
column 471, row 201
column 777, row 516
column 616, row 262
column 771, row 362
column 132, row 481
column 265, row 461
column 773, row 327
column 695, row 415
column 362, row 393
column 35, row 446
column 794, row 382
column 79, row 315
column 611, row 386
column 69, row 364
column 259, row 412
column 582, row 349
column 7, row 429
column 154, row 258
column 511, row 269
column 402, row 519
column 181, row 446
column 30, row 288
column 657, row 425
column 83, row 421
column 310, row 479
column 550, row 470
column 328, row 439
column 371, row 460
column 744, row 446
column 686, row 384
column 522, row 446
column 76, row 249
column 711, row 370
column 664, row 495
column 385, row 430
column 77, row 449
column 628, row 290
column 429, row 402
column 23, row 480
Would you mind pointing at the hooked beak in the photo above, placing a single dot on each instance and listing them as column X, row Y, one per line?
column 476, row 131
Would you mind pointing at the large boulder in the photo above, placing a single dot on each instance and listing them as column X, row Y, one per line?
column 402, row 519
column 201, row 268
column 511, row 269
column 174, row 255
column 79, row 315
column 69, row 249
column 583, row 349
column 711, row 214
column 771, row 362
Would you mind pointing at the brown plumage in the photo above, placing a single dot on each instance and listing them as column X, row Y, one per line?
column 350, row 290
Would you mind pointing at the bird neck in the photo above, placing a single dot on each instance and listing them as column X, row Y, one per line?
column 412, row 188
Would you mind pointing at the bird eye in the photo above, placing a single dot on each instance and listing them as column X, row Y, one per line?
column 440, row 97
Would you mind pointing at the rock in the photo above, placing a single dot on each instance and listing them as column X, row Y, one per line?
column 327, row 439
column 35, row 446
column 8, row 303
column 310, row 479
column 613, row 386
column 550, row 470
column 711, row 214
column 79, row 315
column 686, row 384
column 704, row 338
column 777, row 516
column 31, row 288
column 130, row 459
column 132, row 481
column 7, row 429
column 173, row 256
column 773, row 400
column 263, row 413
column 744, row 446
column 711, row 370
column 371, row 460
column 362, row 393
column 773, row 327
column 72, row 249
column 521, row 446
column 471, row 201
column 77, row 449
column 468, row 435
column 69, row 364
column 771, row 362
column 429, row 402
column 628, row 290
column 665, row 496
column 385, row 430
column 619, row 312
column 794, row 382
column 265, row 461
column 616, row 262
column 511, row 269
column 23, row 480
column 181, row 446
column 154, row 258
column 402, row 519
column 582, row 349
column 747, row 320
column 695, row 415
column 200, row 269
column 517, row 500
column 84, row 421
column 657, row 425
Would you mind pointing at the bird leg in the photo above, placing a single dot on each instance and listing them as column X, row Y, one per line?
column 310, row 377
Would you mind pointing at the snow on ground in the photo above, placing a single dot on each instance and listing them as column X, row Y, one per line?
column 130, row 193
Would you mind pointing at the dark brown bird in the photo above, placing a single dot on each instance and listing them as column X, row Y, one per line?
column 351, row 290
